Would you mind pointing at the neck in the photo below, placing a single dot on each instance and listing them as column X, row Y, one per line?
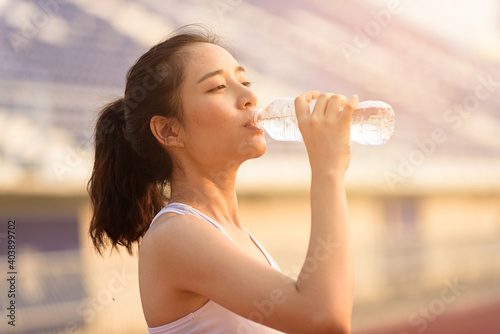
column 212, row 193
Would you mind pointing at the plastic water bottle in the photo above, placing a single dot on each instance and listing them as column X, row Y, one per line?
column 372, row 121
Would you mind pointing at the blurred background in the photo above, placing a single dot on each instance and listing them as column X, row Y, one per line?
column 425, row 208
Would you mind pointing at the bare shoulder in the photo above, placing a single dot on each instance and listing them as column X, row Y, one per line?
column 181, row 242
column 167, row 226
column 172, row 233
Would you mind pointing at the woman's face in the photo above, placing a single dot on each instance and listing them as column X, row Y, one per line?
column 217, row 105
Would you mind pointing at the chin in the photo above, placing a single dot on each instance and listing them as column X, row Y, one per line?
column 261, row 152
column 254, row 148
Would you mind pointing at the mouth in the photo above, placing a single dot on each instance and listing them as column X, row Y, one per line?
column 252, row 126
column 253, row 122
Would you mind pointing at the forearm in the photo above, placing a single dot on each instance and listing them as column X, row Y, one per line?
column 327, row 277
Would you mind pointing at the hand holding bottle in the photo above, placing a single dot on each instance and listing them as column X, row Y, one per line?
column 326, row 130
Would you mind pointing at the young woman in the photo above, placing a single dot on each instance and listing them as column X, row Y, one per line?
column 179, row 136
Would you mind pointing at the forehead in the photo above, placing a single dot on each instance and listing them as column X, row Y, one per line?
column 206, row 57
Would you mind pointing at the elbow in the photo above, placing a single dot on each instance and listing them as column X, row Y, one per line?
column 334, row 329
column 332, row 325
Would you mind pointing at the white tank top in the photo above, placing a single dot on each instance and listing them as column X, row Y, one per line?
column 212, row 318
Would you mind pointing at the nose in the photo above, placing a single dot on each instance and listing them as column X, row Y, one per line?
column 247, row 99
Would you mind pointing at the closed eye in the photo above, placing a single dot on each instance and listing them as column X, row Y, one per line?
column 221, row 87
column 218, row 88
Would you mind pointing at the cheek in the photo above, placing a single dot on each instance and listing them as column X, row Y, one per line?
column 212, row 116
column 207, row 123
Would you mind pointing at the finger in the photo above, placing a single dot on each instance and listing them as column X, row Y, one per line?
column 335, row 104
column 301, row 104
column 349, row 107
column 348, row 110
column 321, row 104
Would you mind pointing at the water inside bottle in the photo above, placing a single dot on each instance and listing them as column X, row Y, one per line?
column 373, row 125
column 283, row 128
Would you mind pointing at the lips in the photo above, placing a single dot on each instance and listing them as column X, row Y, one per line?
column 250, row 125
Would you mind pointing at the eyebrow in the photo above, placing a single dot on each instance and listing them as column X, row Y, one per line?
column 219, row 72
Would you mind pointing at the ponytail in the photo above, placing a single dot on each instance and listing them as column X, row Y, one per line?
column 124, row 198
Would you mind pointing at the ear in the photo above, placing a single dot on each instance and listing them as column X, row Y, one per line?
column 166, row 130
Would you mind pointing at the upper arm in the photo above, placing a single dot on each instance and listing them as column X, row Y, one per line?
column 201, row 259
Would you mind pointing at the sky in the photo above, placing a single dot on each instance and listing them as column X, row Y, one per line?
column 473, row 22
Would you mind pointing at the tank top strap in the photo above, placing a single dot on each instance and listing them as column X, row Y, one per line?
column 184, row 209
column 268, row 256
